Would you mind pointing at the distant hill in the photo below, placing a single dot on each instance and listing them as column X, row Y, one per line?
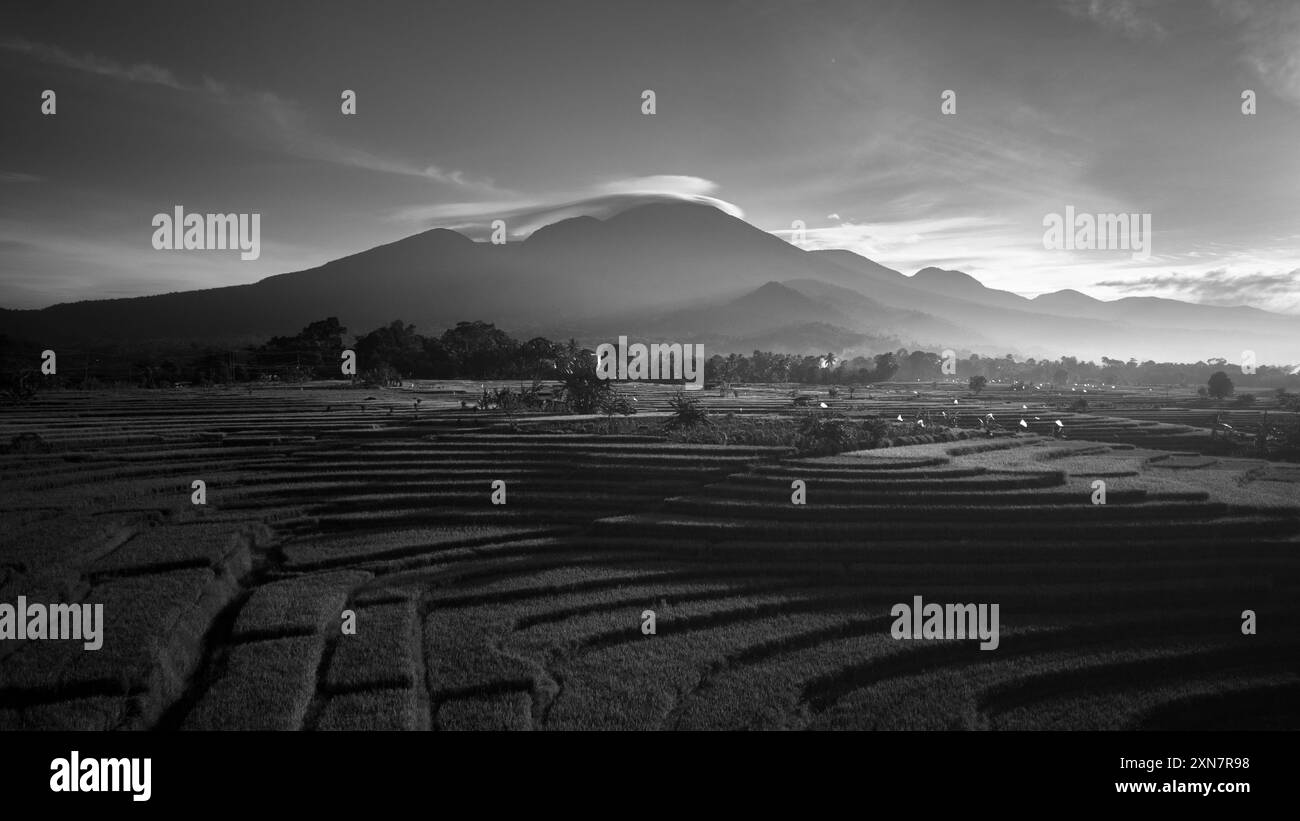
column 680, row 269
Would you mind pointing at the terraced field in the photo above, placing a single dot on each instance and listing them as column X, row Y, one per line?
column 528, row 614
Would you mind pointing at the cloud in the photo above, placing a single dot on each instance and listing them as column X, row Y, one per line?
column 265, row 113
column 1218, row 287
column 904, row 242
column 17, row 176
column 89, row 63
column 1267, row 32
column 524, row 215
column 671, row 184
column 268, row 117
column 1130, row 18
column 1270, row 41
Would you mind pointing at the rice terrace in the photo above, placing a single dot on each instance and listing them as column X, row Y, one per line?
column 511, row 567
column 395, row 368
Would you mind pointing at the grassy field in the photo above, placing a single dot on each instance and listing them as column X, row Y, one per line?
column 528, row 614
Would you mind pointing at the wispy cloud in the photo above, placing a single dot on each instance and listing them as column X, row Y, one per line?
column 1270, row 41
column 285, row 124
column 1217, row 287
column 1266, row 32
column 91, row 64
column 276, row 119
column 17, row 176
column 1132, row 18
column 978, row 245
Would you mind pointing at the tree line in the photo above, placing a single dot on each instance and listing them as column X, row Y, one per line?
column 480, row 350
column 928, row 366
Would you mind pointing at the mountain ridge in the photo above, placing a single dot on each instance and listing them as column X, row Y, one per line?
column 688, row 268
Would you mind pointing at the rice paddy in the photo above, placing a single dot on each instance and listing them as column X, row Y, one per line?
column 528, row 613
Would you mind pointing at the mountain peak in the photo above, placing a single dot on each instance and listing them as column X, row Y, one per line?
column 1065, row 296
column 435, row 241
column 679, row 216
column 563, row 231
column 943, row 276
column 773, row 294
column 434, row 237
column 645, row 222
column 659, row 209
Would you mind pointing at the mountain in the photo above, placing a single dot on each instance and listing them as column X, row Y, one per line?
column 770, row 306
column 964, row 286
column 680, row 271
column 653, row 257
column 1072, row 323
column 1070, row 303
column 1169, row 313
column 799, row 316
column 911, row 328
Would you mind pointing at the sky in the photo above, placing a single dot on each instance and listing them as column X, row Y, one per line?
column 825, row 113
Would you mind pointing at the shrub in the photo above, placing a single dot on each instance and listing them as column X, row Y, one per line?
column 826, row 433
column 21, row 388
column 616, row 403
column 687, row 412
column 380, row 376
column 510, row 400
column 28, row 443
column 732, row 430
column 1288, row 437
column 582, row 390
column 876, row 428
